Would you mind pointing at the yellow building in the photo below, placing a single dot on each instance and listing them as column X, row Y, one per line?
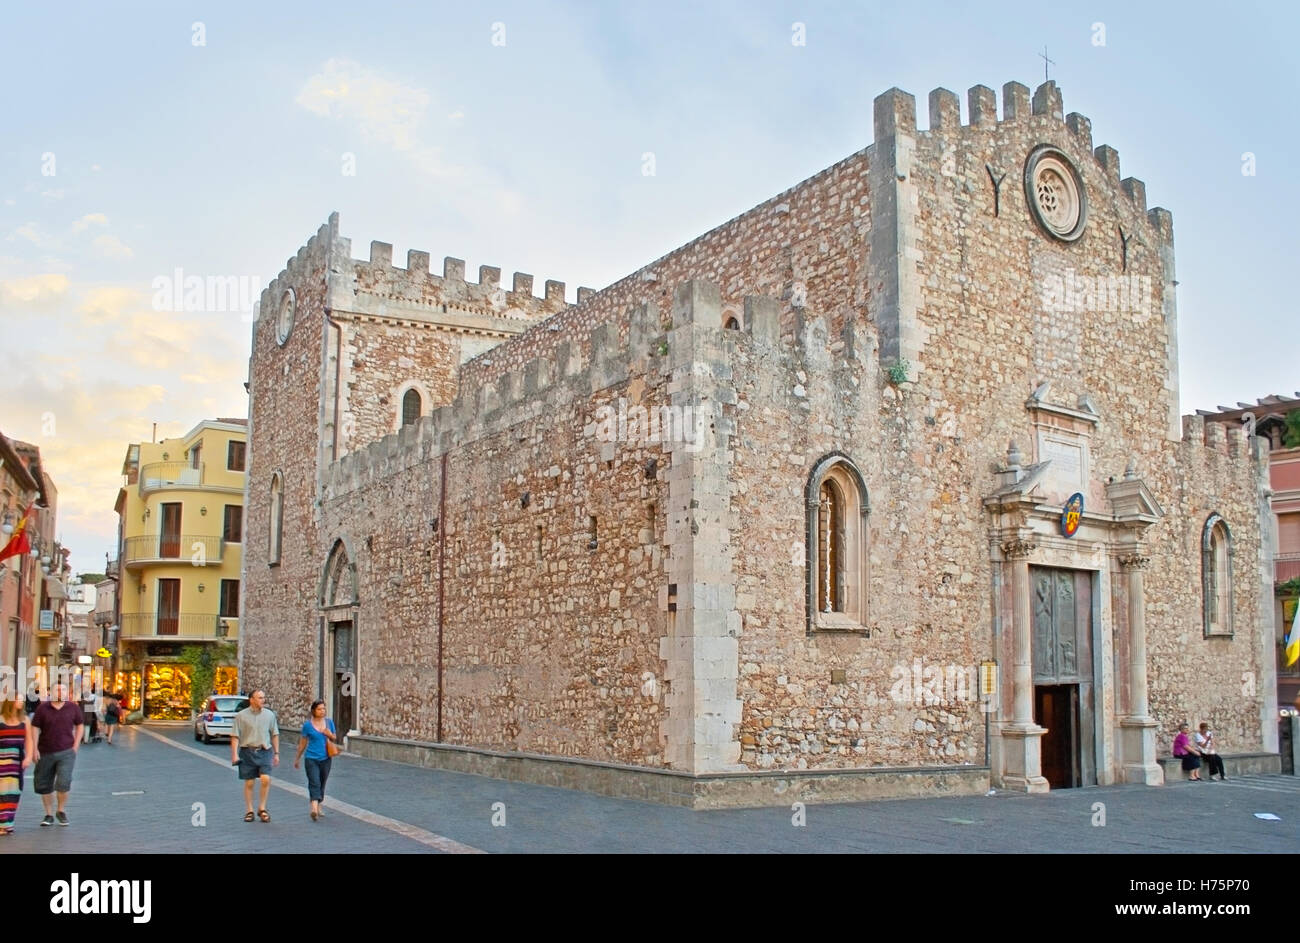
column 180, row 542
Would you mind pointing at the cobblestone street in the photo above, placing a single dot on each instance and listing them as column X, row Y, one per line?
column 140, row 796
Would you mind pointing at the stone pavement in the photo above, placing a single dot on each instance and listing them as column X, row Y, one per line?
column 140, row 795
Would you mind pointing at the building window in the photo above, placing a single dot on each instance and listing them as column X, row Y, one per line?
column 276, row 519
column 232, row 531
column 411, row 407
column 830, row 544
column 229, row 599
column 1216, row 576
column 235, row 457
column 836, row 545
column 195, row 454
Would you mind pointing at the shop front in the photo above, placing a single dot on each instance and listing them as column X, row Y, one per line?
column 157, row 681
column 166, row 691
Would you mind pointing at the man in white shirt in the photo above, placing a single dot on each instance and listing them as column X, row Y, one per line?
column 1205, row 743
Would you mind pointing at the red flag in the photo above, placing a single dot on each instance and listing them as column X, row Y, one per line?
column 18, row 543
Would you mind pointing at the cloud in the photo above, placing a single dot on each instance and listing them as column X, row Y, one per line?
column 112, row 247
column 33, row 234
column 90, row 219
column 381, row 108
column 33, row 291
column 108, row 303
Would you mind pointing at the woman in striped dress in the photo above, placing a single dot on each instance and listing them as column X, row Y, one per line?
column 15, row 757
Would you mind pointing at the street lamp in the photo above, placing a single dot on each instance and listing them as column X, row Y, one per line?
column 7, row 527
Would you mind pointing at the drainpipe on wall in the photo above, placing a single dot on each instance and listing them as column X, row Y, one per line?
column 442, row 555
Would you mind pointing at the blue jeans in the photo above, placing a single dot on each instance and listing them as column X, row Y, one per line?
column 317, row 772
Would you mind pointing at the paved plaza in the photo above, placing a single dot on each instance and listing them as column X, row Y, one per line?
column 157, row 790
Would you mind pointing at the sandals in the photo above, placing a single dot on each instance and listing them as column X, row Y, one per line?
column 314, row 815
column 248, row 817
column 264, row 815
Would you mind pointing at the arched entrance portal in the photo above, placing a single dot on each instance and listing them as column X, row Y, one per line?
column 338, row 643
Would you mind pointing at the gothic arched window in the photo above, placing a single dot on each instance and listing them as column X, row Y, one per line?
column 276, row 519
column 339, row 580
column 1216, row 576
column 411, row 407
column 837, row 541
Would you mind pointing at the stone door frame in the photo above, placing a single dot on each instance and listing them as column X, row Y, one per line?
column 1025, row 530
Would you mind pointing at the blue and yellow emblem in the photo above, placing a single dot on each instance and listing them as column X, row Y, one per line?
column 1072, row 515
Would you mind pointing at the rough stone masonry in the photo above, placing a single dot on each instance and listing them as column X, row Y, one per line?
column 873, row 397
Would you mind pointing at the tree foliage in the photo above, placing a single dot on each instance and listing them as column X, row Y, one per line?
column 203, row 662
column 1291, row 434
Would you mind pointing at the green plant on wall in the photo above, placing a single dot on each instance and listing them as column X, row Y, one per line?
column 203, row 662
column 898, row 372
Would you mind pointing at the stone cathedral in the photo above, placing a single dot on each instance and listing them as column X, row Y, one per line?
column 879, row 488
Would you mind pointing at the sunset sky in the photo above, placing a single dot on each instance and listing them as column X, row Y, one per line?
column 214, row 139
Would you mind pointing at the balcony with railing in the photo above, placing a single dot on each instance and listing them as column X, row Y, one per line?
column 195, row 549
column 111, row 569
column 157, row 476
column 1286, row 566
column 184, row 625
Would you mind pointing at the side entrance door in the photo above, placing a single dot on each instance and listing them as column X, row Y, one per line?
column 345, row 679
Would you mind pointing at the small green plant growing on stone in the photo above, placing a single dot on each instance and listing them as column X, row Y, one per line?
column 898, row 372
column 662, row 349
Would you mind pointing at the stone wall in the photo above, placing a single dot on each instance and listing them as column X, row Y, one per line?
column 644, row 602
column 287, row 432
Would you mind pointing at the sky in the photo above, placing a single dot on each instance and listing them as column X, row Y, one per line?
column 145, row 141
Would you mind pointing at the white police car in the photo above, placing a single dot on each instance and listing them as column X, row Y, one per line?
column 218, row 715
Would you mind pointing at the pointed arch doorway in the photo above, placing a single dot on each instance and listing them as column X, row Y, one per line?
column 338, row 638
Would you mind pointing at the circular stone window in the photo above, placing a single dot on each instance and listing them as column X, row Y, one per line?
column 284, row 317
column 1054, row 191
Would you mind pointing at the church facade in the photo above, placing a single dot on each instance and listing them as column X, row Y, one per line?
column 879, row 488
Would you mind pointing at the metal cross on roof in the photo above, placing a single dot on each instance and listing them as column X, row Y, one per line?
column 1043, row 56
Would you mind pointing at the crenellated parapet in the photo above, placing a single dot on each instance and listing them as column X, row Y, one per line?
column 301, row 268
column 642, row 341
column 415, row 292
column 895, row 114
column 1223, row 446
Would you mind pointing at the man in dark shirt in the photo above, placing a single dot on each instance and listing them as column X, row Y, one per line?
column 58, row 726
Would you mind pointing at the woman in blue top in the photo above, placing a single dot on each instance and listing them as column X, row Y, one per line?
column 315, row 733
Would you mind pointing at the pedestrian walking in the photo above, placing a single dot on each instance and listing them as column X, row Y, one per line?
column 1209, row 751
column 88, row 722
column 112, row 716
column 255, row 749
column 319, row 742
column 15, row 756
column 33, row 700
column 1184, row 750
column 57, row 727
